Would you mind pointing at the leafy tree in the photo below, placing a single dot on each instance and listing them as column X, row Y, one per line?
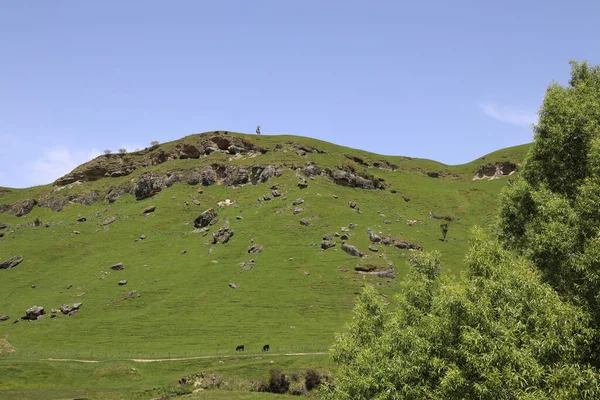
column 107, row 152
column 122, row 150
column 551, row 213
column 525, row 320
column 154, row 143
column 499, row 334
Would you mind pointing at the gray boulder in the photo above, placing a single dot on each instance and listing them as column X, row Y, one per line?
column 304, row 222
column 123, row 282
column 205, row 218
column 34, row 313
column 118, row 267
column 327, row 244
column 353, row 251
column 11, row 262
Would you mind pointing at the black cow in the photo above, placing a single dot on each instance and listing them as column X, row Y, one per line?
column 266, row 347
column 239, row 348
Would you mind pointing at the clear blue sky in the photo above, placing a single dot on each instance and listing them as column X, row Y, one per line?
column 446, row 80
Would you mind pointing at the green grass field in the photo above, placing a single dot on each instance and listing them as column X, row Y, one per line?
column 294, row 298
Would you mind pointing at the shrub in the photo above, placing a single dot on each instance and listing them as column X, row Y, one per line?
column 278, row 383
column 154, row 143
column 107, row 152
column 122, row 150
column 312, row 379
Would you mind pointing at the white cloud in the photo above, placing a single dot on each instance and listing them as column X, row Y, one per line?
column 55, row 163
column 507, row 114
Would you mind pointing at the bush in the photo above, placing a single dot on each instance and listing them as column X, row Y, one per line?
column 107, row 152
column 313, row 379
column 278, row 383
column 122, row 150
column 154, row 143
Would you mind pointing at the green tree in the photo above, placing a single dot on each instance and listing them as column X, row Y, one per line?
column 499, row 334
column 551, row 213
column 524, row 321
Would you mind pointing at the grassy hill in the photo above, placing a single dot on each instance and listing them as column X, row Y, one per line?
column 178, row 300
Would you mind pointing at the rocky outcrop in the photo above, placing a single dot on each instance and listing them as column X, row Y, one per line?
column 495, row 170
column 20, row 208
column 115, row 165
column 11, row 262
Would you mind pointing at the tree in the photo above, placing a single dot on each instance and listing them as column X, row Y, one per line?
column 444, row 228
column 501, row 333
column 122, row 150
column 107, row 152
column 525, row 320
column 154, row 143
column 551, row 213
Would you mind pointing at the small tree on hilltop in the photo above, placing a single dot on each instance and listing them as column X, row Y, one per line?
column 154, row 143
column 444, row 228
column 122, row 150
column 107, row 152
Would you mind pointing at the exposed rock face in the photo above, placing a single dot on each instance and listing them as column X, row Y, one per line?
column 21, row 208
column 345, row 178
column 11, row 262
column 113, row 165
column 495, row 170
column 194, row 177
column 114, row 194
column 209, row 176
column 353, row 251
column 205, row 218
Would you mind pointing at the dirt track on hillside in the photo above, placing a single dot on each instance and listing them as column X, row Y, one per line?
column 149, row 360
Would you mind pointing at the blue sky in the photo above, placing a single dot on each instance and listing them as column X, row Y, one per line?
column 446, row 80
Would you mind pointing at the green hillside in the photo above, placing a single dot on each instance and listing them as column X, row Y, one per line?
column 187, row 297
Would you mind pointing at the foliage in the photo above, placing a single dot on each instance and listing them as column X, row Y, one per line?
column 500, row 334
column 122, row 150
column 278, row 383
column 154, row 143
column 107, row 151
column 551, row 213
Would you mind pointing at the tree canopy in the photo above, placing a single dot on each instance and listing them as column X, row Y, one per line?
column 524, row 320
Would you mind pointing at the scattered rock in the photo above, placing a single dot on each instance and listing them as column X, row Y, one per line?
column 22, row 208
column 132, row 293
column 81, row 219
column 344, row 237
column 327, row 237
column 373, row 248
column 4, row 318
column 255, row 249
column 76, row 233
column 298, row 201
column 302, row 184
column 387, row 221
column 267, row 198
column 11, row 262
column 34, row 313
column 34, row 286
column 149, row 209
column 142, row 237
column 353, row 251
column 327, row 244
column 344, row 229
column 433, row 174
column 108, row 221
column 118, row 267
column 196, row 202
column 205, row 218
column 304, row 222
column 352, row 204
column 3, row 226
column 123, row 282
column 223, row 234
column 183, row 252
column 276, row 193
column 239, row 217
column 406, row 198
column 298, row 210
column 335, row 196
column 442, row 217
column 69, row 286
column 233, row 286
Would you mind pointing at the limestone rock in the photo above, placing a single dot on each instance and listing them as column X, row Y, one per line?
column 205, row 218
column 353, row 251
column 11, row 262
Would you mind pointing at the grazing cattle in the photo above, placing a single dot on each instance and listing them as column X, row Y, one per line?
column 266, row 347
column 239, row 348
